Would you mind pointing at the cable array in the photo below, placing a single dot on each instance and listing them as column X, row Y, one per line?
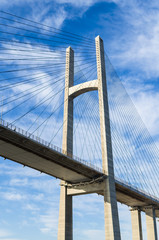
column 135, row 153
column 32, row 85
column 32, row 78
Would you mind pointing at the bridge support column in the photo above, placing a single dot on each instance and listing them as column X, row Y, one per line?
column 65, row 231
column 65, row 227
column 112, row 229
column 151, row 223
column 136, row 224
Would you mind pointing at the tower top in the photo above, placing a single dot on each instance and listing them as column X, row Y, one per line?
column 69, row 49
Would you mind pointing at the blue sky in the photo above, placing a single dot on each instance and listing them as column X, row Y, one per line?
column 30, row 200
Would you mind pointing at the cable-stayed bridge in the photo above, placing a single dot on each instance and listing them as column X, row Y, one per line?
column 76, row 106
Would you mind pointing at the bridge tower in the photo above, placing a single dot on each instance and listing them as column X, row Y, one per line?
column 65, row 228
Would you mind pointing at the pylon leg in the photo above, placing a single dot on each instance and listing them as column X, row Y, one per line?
column 112, row 229
column 65, row 216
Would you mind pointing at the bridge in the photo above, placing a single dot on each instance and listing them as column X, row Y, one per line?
column 82, row 178
column 78, row 176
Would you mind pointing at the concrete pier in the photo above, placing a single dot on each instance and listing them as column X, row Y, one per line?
column 151, row 223
column 65, row 216
column 136, row 224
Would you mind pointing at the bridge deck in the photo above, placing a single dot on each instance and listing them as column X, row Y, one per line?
column 24, row 150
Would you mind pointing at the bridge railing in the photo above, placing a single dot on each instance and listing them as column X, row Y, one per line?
column 46, row 144
column 58, row 149
column 138, row 190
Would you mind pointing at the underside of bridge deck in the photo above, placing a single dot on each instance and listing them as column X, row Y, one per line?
column 21, row 149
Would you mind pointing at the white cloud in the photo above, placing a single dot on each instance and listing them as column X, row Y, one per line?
column 49, row 222
column 4, row 233
column 56, row 20
column 20, row 2
column 9, row 238
column 79, row 3
column 18, row 182
column 93, row 234
column 147, row 105
column 41, row 12
column 12, row 196
column 17, row 170
column 31, row 207
column 139, row 45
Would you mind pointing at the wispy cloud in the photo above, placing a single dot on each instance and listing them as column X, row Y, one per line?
column 139, row 42
column 7, row 235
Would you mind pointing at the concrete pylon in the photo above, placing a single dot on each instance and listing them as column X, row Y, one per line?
column 112, row 229
column 151, row 223
column 136, row 224
column 65, row 227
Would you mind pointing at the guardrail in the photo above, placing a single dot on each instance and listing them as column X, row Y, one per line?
column 136, row 189
column 47, row 144
column 58, row 149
